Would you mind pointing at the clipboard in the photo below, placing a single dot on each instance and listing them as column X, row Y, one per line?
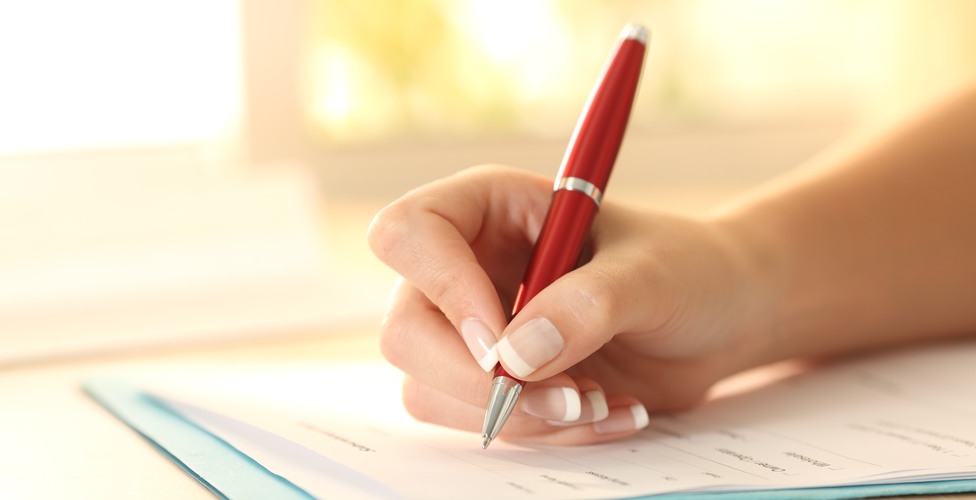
column 229, row 473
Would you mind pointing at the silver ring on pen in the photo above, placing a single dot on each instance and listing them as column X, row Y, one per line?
column 582, row 185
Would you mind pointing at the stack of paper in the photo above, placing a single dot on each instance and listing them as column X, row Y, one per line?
column 897, row 423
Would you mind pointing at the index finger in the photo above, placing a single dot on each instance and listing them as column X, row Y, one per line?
column 441, row 238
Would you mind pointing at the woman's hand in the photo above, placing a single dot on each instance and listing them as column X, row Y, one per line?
column 662, row 309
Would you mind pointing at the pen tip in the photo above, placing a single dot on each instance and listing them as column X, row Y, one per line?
column 485, row 442
column 636, row 32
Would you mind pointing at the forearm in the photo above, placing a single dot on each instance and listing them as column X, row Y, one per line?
column 871, row 245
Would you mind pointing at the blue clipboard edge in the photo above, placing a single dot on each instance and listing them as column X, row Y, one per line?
column 215, row 464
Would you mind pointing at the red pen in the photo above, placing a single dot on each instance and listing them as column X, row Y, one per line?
column 579, row 187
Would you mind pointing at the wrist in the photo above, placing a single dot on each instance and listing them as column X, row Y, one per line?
column 760, row 274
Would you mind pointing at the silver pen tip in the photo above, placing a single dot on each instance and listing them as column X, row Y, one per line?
column 636, row 32
column 485, row 442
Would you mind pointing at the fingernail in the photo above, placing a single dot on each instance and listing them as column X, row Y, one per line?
column 626, row 419
column 598, row 406
column 481, row 343
column 531, row 346
column 594, row 408
column 553, row 403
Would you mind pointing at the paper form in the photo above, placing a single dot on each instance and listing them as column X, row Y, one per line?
column 899, row 417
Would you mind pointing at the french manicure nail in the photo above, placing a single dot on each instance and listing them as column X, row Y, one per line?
column 481, row 343
column 554, row 403
column 598, row 406
column 625, row 419
column 530, row 346
column 594, row 408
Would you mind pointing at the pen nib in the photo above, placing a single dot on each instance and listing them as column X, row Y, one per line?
column 485, row 442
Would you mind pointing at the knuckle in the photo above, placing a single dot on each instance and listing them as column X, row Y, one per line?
column 386, row 230
column 414, row 401
column 484, row 171
column 444, row 285
column 393, row 339
column 597, row 301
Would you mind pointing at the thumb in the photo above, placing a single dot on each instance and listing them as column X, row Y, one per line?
column 567, row 321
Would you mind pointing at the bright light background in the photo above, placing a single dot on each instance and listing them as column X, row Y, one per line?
column 117, row 73
column 387, row 68
column 103, row 74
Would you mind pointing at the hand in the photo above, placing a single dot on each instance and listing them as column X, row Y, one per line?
column 663, row 308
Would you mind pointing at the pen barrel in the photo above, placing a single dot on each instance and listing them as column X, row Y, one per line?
column 589, row 160
column 600, row 130
column 559, row 247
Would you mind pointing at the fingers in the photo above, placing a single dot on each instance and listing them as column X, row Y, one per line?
column 580, row 312
column 593, row 403
column 452, row 237
column 664, row 282
column 561, row 326
column 446, row 388
column 418, row 339
column 625, row 416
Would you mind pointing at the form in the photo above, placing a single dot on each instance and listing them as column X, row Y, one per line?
column 904, row 416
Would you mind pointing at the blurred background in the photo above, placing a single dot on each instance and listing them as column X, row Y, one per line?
column 112, row 112
column 383, row 94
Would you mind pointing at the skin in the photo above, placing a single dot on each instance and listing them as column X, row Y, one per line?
column 870, row 245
